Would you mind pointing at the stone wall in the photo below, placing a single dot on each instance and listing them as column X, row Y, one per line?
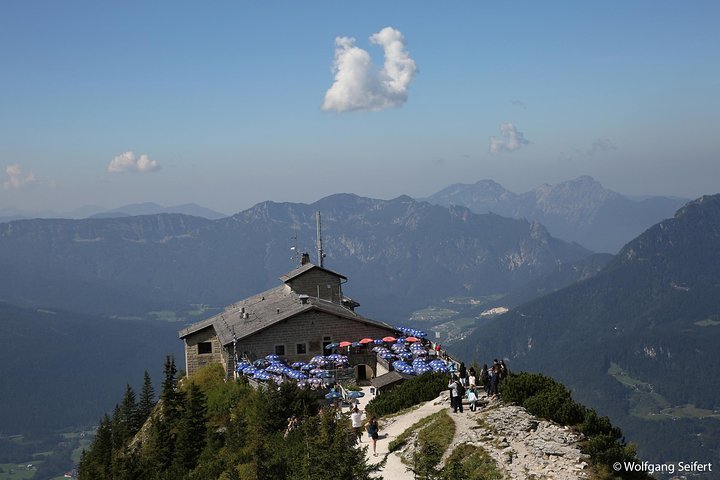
column 195, row 360
column 314, row 283
column 310, row 328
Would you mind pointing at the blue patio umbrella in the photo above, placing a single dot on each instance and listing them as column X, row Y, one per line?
column 378, row 341
column 355, row 394
column 356, row 344
column 272, row 357
column 333, row 395
column 330, row 346
column 298, row 364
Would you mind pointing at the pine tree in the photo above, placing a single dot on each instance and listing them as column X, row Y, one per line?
column 192, row 430
column 147, row 400
column 128, row 412
column 164, row 431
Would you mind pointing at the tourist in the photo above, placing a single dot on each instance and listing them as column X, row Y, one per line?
column 373, row 429
column 485, row 379
column 456, row 394
column 503, row 370
column 463, row 374
column 494, row 379
column 472, row 379
column 472, row 398
column 356, row 418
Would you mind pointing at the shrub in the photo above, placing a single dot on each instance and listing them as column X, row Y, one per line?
column 418, row 390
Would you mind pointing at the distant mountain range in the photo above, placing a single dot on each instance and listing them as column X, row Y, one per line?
column 579, row 210
column 92, row 211
column 398, row 254
column 640, row 340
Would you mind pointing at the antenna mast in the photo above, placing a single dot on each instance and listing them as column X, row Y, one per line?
column 320, row 253
column 294, row 248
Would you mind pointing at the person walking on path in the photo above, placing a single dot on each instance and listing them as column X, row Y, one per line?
column 356, row 418
column 373, row 430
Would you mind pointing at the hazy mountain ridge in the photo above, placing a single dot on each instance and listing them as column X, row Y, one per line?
column 639, row 340
column 10, row 214
column 396, row 253
column 579, row 210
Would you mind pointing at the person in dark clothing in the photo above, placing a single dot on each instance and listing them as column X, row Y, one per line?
column 485, row 378
column 462, row 371
column 373, row 429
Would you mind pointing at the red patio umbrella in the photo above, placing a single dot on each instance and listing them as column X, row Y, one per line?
column 366, row 340
column 389, row 339
column 412, row 339
column 345, row 344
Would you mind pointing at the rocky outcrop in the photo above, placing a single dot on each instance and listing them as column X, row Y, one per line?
column 523, row 445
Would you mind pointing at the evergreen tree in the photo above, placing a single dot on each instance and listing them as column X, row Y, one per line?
column 128, row 412
column 97, row 463
column 161, row 446
column 192, row 429
column 147, row 400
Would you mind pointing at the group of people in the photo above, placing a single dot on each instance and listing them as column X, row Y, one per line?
column 464, row 383
column 372, row 427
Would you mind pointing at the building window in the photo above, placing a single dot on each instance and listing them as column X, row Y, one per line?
column 204, row 348
column 301, row 348
column 280, row 350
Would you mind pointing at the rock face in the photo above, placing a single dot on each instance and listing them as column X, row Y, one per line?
column 522, row 445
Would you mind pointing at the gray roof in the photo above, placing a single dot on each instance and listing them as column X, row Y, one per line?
column 389, row 378
column 266, row 309
column 304, row 268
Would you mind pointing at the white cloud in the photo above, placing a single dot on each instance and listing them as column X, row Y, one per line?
column 360, row 85
column 127, row 162
column 510, row 139
column 16, row 178
column 602, row 145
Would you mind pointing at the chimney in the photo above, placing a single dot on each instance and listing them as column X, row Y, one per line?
column 305, row 258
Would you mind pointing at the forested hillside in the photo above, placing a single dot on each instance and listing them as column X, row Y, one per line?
column 639, row 340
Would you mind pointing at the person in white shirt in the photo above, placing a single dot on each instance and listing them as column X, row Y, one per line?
column 356, row 417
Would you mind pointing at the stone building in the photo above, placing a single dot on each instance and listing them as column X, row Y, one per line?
column 295, row 320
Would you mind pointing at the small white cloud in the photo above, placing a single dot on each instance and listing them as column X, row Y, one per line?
column 127, row 162
column 16, row 178
column 360, row 85
column 510, row 139
column 601, row 145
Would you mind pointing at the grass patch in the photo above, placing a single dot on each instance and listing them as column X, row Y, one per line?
column 432, row 314
column 708, row 322
column 432, row 442
column 470, row 461
column 402, row 439
column 164, row 315
column 13, row 471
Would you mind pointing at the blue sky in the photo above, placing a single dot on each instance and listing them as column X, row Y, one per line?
column 224, row 99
